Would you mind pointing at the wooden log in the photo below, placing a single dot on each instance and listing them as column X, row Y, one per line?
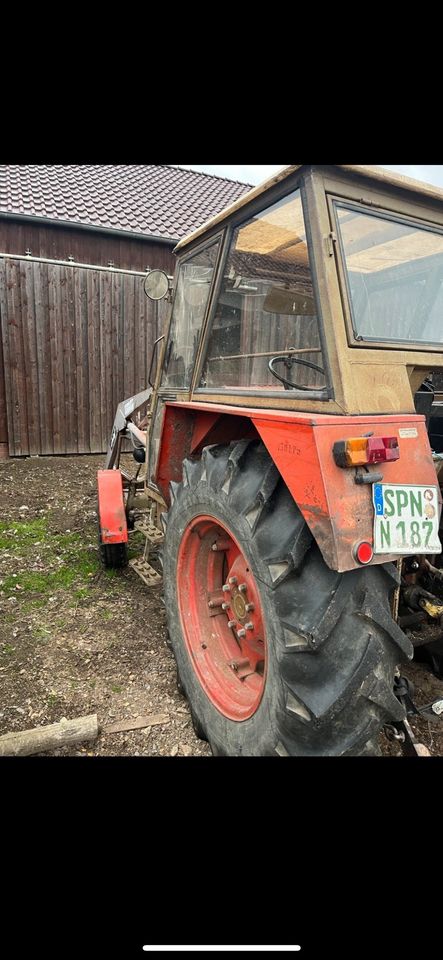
column 139, row 723
column 55, row 735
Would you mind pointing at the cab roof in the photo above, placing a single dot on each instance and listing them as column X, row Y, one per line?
column 374, row 173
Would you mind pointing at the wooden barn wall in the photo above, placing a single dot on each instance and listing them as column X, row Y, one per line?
column 61, row 243
column 3, row 415
column 75, row 342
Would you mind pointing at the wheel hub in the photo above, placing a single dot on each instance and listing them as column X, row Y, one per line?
column 239, row 606
column 221, row 617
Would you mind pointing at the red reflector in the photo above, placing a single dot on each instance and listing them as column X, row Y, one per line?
column 364, row 552
column 382, row 449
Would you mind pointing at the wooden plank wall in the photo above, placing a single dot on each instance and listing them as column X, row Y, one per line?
column 85, row 246
column 75, row 342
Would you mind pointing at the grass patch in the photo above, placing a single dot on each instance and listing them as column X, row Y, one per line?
column 80, row 563
column 8, row 649
column 41, row 634
column 81, row 593
column 34, row 581
column 21, row 535
column 29, row 605
column 116, row 689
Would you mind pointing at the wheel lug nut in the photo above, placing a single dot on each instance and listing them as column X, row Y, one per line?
column 241, row 633
column 249, row 626
column 249, row 608
column 243, row 588
column 231, row 624
column 221, row 545
column 215, row 602
column 225, row 606
column 233, row 580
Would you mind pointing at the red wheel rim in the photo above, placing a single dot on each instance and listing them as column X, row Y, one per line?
column 221, row 618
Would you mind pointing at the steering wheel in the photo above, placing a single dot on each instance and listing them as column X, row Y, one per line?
column 288, row 362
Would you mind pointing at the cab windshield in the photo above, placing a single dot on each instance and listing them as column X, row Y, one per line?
column 394, row 276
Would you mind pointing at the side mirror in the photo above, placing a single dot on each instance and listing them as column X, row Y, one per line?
column 156, row 285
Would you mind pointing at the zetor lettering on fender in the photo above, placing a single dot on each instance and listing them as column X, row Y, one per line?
column 338, row 511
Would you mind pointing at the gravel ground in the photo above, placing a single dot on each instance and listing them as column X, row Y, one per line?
column 76, row 640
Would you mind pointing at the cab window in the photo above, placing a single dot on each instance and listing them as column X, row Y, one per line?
column 266, row 308
column 190, row 303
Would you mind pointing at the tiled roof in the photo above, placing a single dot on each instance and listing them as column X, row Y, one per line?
column 151, row 199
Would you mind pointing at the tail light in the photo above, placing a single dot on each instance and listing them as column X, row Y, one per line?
column 365, row 450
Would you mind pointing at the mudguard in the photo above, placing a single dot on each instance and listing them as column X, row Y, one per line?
column 338, row 511
column 111, row 507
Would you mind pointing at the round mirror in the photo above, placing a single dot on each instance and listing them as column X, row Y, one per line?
column 156, row 285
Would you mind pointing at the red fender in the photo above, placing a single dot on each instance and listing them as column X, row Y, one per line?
column 338, row 511
column 111, row 507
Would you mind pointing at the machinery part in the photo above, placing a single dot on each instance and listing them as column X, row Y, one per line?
column 288, row 361
column 113, row 556
column 432, row 654
column 125, row 410
column 318, row 678
column 404, row 734
column 154, row 351
column 141, row 565
column 404, row 691
column 112, row 525
column 417, row 598
column 145, row 571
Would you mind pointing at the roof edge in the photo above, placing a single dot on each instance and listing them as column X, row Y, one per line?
column 91, row 228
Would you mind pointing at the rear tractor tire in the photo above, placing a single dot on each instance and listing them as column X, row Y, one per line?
column 277, row 654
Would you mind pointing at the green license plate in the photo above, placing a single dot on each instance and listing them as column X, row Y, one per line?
column 406, row 518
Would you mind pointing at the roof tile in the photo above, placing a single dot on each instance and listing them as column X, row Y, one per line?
column 152, row 199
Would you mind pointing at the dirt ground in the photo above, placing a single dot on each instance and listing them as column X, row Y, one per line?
column 77, row 640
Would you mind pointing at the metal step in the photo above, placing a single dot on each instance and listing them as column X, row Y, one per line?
column 146, row 572
column 149, row 530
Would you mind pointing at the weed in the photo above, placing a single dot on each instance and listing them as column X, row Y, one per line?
column 8, row 649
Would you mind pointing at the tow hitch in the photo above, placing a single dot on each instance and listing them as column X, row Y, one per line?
column 401, row 731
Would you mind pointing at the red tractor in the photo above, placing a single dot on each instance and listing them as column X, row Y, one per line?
column 285, row 463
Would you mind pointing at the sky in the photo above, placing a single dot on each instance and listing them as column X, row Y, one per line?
column 431, row 172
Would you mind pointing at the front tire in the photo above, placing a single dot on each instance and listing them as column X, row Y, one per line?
column 324, row 682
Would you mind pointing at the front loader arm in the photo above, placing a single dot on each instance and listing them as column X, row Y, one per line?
column 125, row 410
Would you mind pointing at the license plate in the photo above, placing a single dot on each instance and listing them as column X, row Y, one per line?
column 406, row 519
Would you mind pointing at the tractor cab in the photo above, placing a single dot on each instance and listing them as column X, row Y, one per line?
column 288, row 456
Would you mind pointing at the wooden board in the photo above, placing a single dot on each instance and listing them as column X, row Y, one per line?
column 74, row 343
